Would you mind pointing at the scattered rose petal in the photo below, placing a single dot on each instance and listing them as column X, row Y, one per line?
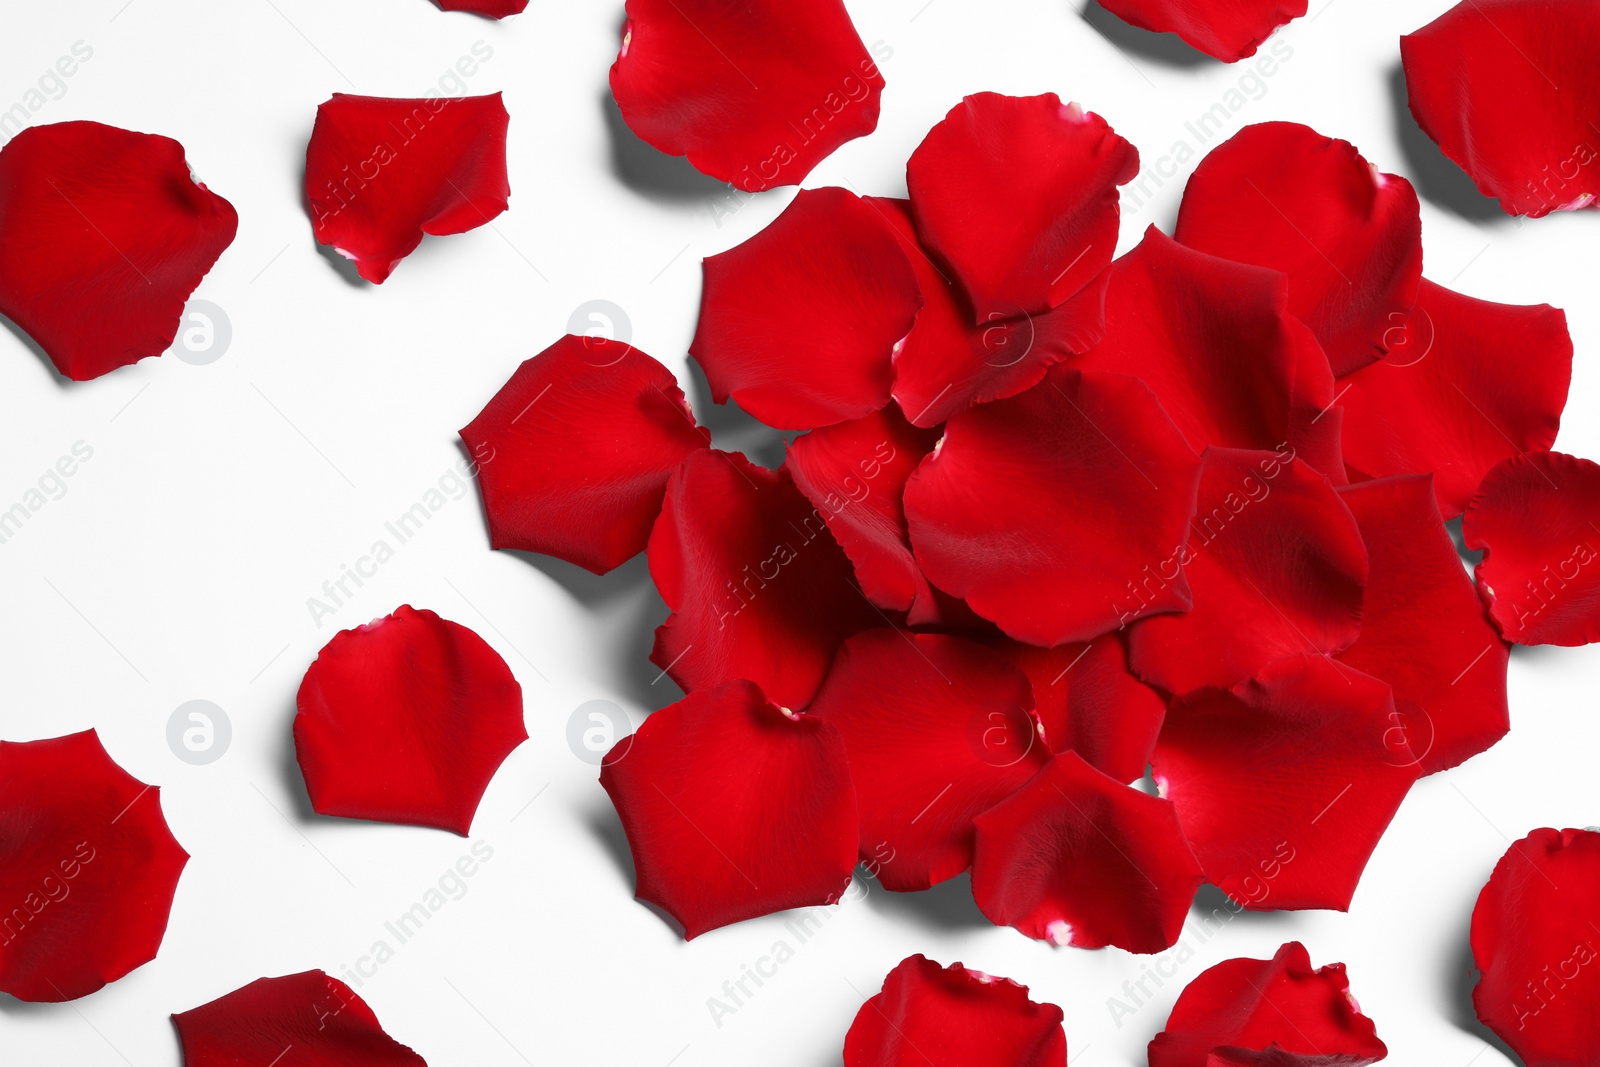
column 381, row 172
column 1508, row 89
column 757, row 586
column 1229, row 30
column 103, row 236
column 574, row 452
column 1465, row 385
column 938, row 729
column 734, row 807
column 1423, row 628
column 88, row 868
column 1534, row 940
column 494, row 9
column 1281, row 195
column 1537, row 519
column 1077, row 858
column 1277, row 1012
column 1284, row 783
column 932, row 1016
column 299, row 1020
column 754, row 94
column 798, row 323
column 1018, row 196
column 1044, row 509
column 406, row 719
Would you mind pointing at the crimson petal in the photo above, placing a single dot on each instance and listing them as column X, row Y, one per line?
column 1018, row 196
column 1467, row 384
column 494, row 9
column 381, row 172
column 932, row 1016
column 574, row 452
column 1277, row 1012
column 406, row 719
column 1284, row 783
column 1536, row 519
column 1044, row 509
column 1078, row 858
column 73, row 823
column 938, row 729
column 103, row 235
column 754, row 93
column 734, row 807
column 1281, row 195
column 1229, row 30
column 299, row 1020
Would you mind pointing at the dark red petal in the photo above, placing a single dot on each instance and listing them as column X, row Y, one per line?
column 495, row 9
column 1091, row 703
column 1044, row 509
column 1078, row 858
column 1276, row 566
column 734, row 807
column 1230, row 30
column 855, row 474
column 754, row 93
column 1281, row 195
column 1537, row 519
column 574, row 452
column 1423, row 628
column 1507, row 89
column 299, row 1020
column 1534, row 940
column 938, row 730
column 1018, row 196
column 74, row 824
column 757, row 586
column 1216, row 342
column 103, row 236
column 381, row 172
column 1268, row 1013
column 932, row 1016
column 798, row 323
column 406, row 719
column 947, row 363
column 1284, row 783
column 1466, row 384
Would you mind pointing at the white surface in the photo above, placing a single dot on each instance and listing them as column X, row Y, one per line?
column 219, row 498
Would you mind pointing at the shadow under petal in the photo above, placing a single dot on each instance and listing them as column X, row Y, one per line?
column 1167, row 49
column 1435, row 175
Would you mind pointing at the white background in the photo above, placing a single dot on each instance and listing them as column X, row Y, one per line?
column 219, row 498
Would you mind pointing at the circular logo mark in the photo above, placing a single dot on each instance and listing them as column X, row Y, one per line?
column 198, row 732
column 1408, row 341
column 204, row 334
column 1002, row 738
column 595, row 728
column 606, row 331
column 1409, row 736
column 1007, row 341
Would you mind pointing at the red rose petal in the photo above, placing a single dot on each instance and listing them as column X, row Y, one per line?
column 755, row 93
column 757, row 586
column 1229, row 30
column 1078, row 858
column 494, row 9
column 103, row 236
column 1018, row 195
column 299, row 1020
column 1043, row 509
column 1537, row 519
column 1534, row 940
column 1284, row 783
column 382, row 172
column 1215, row 341
column 1423, row 628
column 1275, row 564
column 74, row 824
column 1281, row 195
column 734, row 807
column 406, row 719
column 947, row 364
column 932, row 1016
column 1508, row 90
column 855, row 474
column 574, row 452
column 1276, row 1012
column 938, row 729
column 1446, row 399
column 798, row 323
